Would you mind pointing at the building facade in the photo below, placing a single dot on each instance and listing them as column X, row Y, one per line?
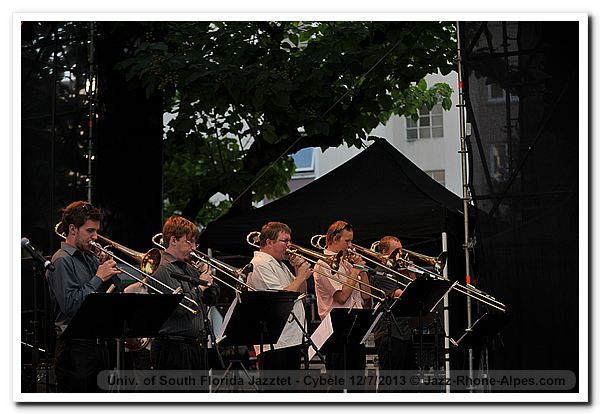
column 432, row 143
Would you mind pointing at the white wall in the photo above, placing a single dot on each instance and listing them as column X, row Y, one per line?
column 427, row 154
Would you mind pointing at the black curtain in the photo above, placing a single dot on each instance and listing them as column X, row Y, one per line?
column 521, row 87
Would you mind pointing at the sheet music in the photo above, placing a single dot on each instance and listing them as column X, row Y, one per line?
column 442, row 297
column 362, row 341
column 226, row 320
column 321, row 335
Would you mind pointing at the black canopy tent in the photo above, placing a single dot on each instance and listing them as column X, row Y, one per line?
column 379, row 192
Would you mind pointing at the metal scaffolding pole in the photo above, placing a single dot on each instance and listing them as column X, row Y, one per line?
column 465, row 186
column 446, row 320
column 91, row 85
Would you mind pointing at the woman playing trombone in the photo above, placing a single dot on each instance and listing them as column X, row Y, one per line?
column 341, row 294
column 330, row 293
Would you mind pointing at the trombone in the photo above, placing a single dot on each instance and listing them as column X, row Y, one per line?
column 148, row 264
column 439, row 263
column 332, row 261
column 468, row 290
column 223, row 267
column 374, row 257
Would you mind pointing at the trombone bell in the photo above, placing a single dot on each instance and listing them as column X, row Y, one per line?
column 438, row 263
column 150, row 261
column 253, row 239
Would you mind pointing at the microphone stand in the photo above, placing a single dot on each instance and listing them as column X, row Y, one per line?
column 308, row 342
column 208, row 329
column 389, row 319
column 35, row 323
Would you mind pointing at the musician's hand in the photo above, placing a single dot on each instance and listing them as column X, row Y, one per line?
column 303, row 271
column 103, row 257
column 296, row 261
column 358, row 260
column 107, row 270
column 203, row 267
column 206, row 275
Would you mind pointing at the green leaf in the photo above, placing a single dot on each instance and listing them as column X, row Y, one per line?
column 317, row 127
column 281, row 99
column 447, row 104
column 233, row 83
column 269, row 134
column 294, row 39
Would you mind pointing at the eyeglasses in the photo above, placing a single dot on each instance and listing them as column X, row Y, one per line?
column 191, row 243
column 286, row 241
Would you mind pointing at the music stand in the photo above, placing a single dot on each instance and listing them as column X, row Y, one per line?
column 258, row 317
column 480, row 334
column 420, row 297
column 347, row 327
column 484, row 328
column 131, row 315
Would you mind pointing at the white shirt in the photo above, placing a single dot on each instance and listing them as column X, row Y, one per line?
column 326, row 287
column 270, row 274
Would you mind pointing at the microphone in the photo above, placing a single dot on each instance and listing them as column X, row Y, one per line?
column 185, row 278
column 36, row 255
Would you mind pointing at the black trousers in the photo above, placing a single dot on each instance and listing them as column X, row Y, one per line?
column 395, row 354
column 183, row 356
column 77, row 364
column 346, row 357
column 281, row 359
column 169, row 354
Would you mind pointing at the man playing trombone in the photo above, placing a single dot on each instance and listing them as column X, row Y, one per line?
column 78, row 273
column 180, row 341
column 343, row 294
column 269, row 273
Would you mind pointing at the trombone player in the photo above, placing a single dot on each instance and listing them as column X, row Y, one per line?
column 180, row 344
column 393, row 340
column 269, row 273
column 78, row 273
column 333, row 294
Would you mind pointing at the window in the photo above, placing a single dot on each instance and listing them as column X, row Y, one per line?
column 429, row 125
column 496, row 94
column 305, row 160
column 438, row 175
column 499, row 168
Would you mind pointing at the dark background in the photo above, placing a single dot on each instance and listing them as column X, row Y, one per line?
column 521, row 90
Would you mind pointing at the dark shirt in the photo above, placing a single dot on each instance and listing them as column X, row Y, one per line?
column 73, row 279
column 182, row 322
